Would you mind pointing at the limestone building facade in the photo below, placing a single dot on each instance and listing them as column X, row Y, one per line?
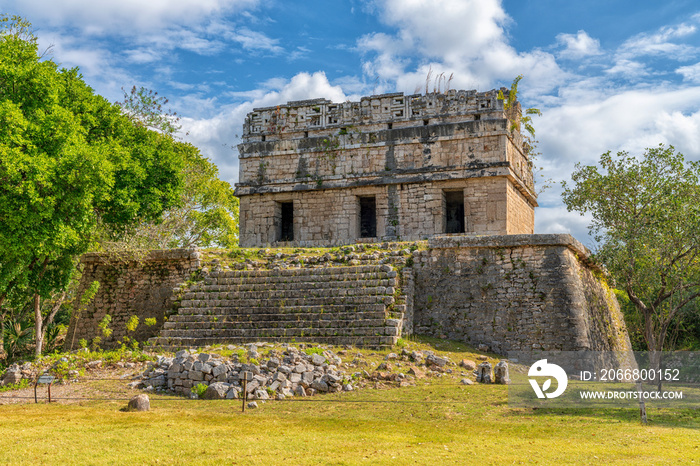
column 390, row 167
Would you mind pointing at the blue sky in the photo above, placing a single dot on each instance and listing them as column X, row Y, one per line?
column 607, row 75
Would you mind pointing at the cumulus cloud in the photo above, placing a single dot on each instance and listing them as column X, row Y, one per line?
column 584, row 125
column 580, row 131
column 578, row 45
column 462, row 38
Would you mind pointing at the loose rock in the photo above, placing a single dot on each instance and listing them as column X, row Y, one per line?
column 216, row 391
column 468, row 364
column 139, row 403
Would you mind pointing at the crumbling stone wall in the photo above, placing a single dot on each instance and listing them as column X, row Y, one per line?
column 406, row 151
column 507, row 292
column 516, row 292
column 131, row 286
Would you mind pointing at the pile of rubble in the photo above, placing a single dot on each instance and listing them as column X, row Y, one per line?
column 279, row 375
column 16, row 372
column 292, row 372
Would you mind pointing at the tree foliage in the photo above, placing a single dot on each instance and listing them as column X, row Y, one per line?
column 146, row 108
column 68, row 160
column 206, row 213
column 646, row 219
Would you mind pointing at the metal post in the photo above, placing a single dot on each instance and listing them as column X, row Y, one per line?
column 642, row 404
column 245, row 392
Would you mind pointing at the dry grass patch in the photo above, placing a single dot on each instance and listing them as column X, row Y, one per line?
column 438, row 421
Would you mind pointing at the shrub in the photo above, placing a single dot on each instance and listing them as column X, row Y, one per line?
column 199, row 389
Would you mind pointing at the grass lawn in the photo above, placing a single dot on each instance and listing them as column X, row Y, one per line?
column 420, row 425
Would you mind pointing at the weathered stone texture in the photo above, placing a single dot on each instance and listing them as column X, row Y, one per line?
column 139, row 403
column 519, row 292
column 337, row 305
column 140, row 287
column 406, row 151
column 330, row 217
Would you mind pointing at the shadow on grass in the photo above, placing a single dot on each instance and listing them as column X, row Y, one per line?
column 687, row 418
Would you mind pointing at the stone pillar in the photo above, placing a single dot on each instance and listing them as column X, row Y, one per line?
column 483, row 374
column 501, row 373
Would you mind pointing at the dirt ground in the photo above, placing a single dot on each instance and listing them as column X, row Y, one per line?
column 102, row 383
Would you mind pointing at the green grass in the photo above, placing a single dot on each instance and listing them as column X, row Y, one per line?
column 444, row 423
column 228, row 257
column 438, row 421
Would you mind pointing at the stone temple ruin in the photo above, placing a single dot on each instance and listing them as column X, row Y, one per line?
column 390, row 167
column 425, row 204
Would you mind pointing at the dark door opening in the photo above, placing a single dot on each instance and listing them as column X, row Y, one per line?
column 368, row 217
column 287, row 221
column 454, row 212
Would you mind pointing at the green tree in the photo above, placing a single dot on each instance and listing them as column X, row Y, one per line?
column 146, row 108
column 206, row 213
column 646, row 220
column 68, row 159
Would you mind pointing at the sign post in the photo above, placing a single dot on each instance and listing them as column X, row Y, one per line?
column 44, row 379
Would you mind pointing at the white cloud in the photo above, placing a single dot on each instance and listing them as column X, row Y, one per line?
column 253, row 40
column 123, row 16
column 629, row 69
column 556, row 219
column 115, row 42
column 681, row 130
column 142, row 55
column 662, row 42
column 592, row 120
column 463, row 38
column 451, row 29
column 578, row 45
column 690, row 73
column 581, row 130
column 97, row 63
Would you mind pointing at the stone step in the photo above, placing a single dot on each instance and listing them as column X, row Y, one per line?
column 291, row 285
column 288, row 302
column 303, row 271
column 288, row 310
column 338, row 305
column 288, row 293
column 313, row 278
column 379, row 313
column 280, row 323
column 279, row 332
column 174, row 344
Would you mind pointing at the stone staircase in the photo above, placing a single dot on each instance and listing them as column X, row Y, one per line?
column 344, row 305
